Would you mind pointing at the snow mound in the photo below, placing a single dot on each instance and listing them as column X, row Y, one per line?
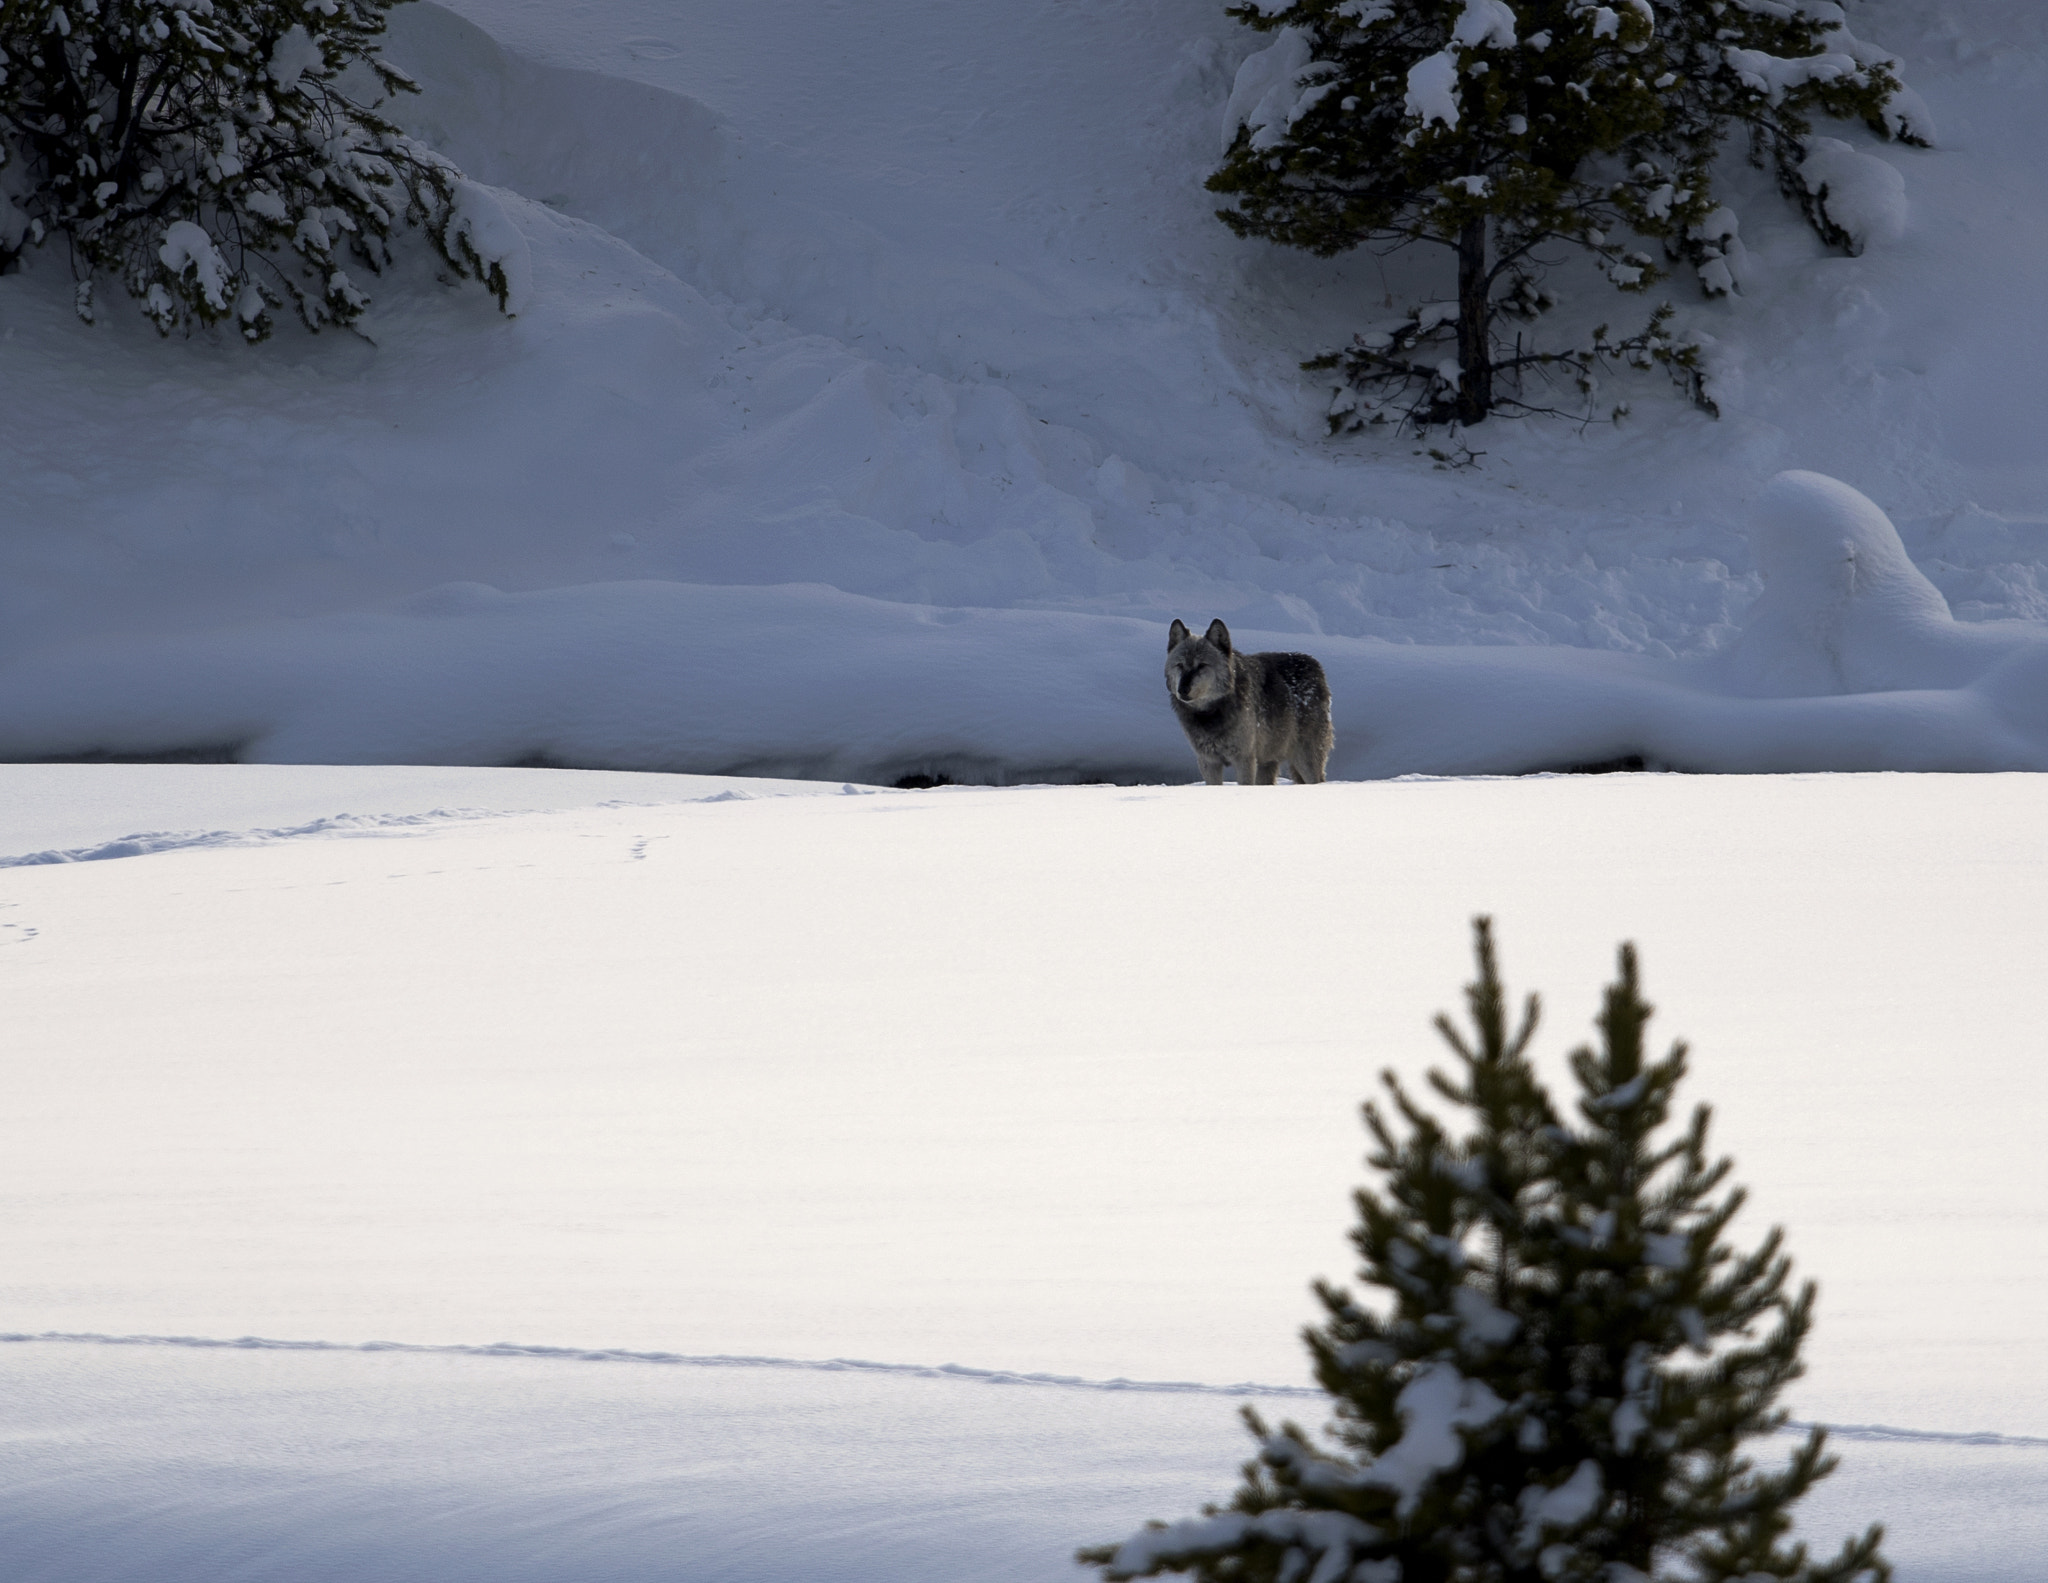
column 1845, row 610
column 1859, row 193
column 1851, row 660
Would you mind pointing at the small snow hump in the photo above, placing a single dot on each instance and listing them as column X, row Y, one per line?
column 1248, row 712
column 1844, row 609
column 1860, row 197
column 1817, row 536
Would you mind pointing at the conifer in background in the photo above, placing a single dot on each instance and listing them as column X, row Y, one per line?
column 1563, row 1366
column 1516, row 133
column 206, row 155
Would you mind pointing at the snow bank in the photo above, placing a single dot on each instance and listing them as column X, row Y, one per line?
column 1851, row 660
column 652, row 676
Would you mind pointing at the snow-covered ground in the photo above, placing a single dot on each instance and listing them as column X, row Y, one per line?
column 1053, row 1081
column 880, row 387
column 155, row 1464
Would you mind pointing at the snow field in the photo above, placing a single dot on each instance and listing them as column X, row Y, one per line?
column 1016, row 1079
column 1043, row 1080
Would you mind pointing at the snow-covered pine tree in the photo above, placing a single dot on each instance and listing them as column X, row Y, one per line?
column 206, row 154
column 1562, row 1365
column 1645, row 1281
column 1512, row 131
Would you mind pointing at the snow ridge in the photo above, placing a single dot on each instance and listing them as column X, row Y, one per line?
column 1939, row 1437
column 507, row 1349
column 922, row 1371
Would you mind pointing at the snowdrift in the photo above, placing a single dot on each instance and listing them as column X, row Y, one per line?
column 1850, row 661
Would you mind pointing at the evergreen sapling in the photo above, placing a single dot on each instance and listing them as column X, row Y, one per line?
column 1516, row 133
column 1563, row 1362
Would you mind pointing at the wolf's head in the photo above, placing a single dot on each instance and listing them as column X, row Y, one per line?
column 1198, row 668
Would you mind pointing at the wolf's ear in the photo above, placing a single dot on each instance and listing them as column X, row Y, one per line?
column 1177, row 634
column 1219, row 634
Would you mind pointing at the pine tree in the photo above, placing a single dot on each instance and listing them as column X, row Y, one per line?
column 1513, row 132
column 208, row 155
column 1564, row 1360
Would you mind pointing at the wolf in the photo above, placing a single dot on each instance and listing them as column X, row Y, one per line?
column 1249, row 711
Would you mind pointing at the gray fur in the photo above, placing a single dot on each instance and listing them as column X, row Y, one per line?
column 1248, row 711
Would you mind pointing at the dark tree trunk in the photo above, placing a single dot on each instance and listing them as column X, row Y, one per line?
column 1475, row 357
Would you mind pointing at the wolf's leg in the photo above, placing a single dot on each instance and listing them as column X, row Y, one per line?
column 1268, row 772
column 1247, row 772
column 1212, row 771
column 1314, row 742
